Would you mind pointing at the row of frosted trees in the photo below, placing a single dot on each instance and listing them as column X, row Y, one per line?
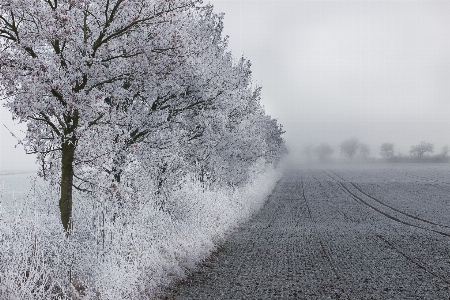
column 349, row 148
column 120, row 94
column 353, row 148
column 422, row 152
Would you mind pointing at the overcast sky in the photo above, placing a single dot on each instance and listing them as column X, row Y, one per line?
column 330, row 70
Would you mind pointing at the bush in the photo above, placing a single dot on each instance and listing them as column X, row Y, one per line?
column 119, row 251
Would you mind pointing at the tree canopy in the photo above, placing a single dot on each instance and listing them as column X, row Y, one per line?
column 421, row 149
column 387, row 150
column 350, row 147
column 107, row 87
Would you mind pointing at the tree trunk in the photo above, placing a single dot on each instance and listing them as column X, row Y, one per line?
column 65, row 202
column 67, row 158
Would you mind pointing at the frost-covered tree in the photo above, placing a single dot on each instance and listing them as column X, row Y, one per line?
column 364, row 150
column 421, row 149
column 275, row 146
column 175, row 114
column 349, row 147
column 387, row 150
column 75, row 70
column 242, row 135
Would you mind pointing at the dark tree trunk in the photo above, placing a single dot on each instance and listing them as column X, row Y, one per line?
column 67, row 158
column 65, row 202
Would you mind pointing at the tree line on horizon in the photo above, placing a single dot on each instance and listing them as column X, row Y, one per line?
column 354, row 150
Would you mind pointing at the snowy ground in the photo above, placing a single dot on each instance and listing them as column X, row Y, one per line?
column 16, row 187
column 339, row 232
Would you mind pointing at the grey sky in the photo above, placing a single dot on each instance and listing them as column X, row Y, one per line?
column 11, row 158
column 377, row 70
column 330, row 70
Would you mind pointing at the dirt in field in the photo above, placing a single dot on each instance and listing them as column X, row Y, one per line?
column 353, row 232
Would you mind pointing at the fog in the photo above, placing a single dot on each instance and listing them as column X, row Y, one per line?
column 12, row 156
column 330, row 70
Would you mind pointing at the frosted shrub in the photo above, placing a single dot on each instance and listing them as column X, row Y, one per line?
column 118, row 251
column 32, row 247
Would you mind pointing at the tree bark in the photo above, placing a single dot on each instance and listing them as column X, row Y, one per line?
column 65, row 202
column 67, row 159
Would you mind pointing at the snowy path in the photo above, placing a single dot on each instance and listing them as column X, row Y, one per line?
column 338, row 233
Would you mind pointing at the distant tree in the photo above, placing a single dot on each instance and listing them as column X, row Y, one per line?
column 443, row 156
column 349, row 147
column 387, row 150
column 364, row 150
column 323, row 152
column 421, row 149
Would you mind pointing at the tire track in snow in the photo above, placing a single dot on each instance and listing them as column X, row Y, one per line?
column 391, row 245
column 429, row 181
column 323, row 248
column 409, row 259
column 387, row 205
column 395, row 209
column 323, row 188
column 343, row 265
column 358, row 199
column 412, row 260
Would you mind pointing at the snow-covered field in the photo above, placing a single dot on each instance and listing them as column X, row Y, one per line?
column 413, row 193
column 339, row 232
column 16, row 187
column 401, row 212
